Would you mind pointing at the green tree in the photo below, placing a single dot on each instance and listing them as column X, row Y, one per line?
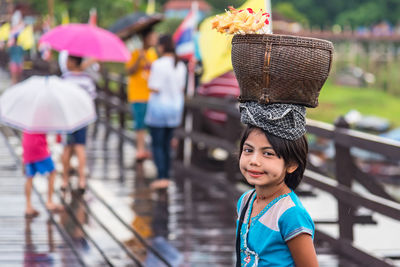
column 107, row 11
column 168, row 26
column 366, row 14
column 344, row 12
column 289, row 11
column 220, row 6
column 321, row 13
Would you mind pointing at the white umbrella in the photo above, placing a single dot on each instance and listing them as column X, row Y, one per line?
column 43, row 104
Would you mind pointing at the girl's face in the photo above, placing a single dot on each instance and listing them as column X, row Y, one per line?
column 259, row 163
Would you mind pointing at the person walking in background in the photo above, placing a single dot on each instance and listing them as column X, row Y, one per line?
column 76, row 141
column 16, row 54
column 37, row 159
column 138, row 69
column 89, row 65
column 165, row 107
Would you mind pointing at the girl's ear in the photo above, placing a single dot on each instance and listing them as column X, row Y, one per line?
column 292, row 167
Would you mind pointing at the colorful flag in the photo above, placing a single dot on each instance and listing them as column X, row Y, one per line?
column 217, row 61
column 151, row 7
column 93, row 17
column 4, row 31
column 26, row 38
column 64, row 17
column 14, row 32
column 184, row 37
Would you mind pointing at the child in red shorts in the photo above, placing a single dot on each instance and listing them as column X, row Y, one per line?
column 37, row 159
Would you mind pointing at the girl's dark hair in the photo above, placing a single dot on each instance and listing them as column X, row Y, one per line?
column 76, row 60
column 169, row 46
column 291, row 152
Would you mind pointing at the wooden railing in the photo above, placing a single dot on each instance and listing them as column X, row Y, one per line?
column 340, row 186
column 204, row 137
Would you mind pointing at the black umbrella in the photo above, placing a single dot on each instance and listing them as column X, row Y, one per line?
column 134, row 23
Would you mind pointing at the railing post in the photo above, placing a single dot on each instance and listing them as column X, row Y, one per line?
column 233, row 130
column 196, row 155
column 97, row 108
column 121, row 113
column 344, row 174
column 107, row 107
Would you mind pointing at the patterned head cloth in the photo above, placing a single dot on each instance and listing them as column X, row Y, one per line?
column 283, row 120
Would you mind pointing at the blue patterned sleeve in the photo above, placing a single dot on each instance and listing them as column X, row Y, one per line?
column 295, row 221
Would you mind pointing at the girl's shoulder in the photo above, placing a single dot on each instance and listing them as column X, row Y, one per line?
column 296, row 201
column 290, row 204
column 162, row 62
column 294, row 215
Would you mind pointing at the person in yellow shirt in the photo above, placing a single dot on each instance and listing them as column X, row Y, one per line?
column 138, row 69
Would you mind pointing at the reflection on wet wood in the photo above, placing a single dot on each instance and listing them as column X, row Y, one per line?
column 26, row 242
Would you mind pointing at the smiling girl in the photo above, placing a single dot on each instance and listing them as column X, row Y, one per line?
column 274, row 229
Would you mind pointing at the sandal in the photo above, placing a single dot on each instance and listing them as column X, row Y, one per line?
column 81, row 190
column 32, row 214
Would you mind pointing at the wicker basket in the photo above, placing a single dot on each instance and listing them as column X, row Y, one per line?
column 274, row 68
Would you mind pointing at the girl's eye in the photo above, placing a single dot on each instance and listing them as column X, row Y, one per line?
column 269, row 154
column 247, row 150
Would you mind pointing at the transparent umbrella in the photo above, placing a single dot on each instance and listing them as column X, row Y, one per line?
column 43, row 104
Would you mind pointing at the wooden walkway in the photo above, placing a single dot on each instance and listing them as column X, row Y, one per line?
column 120, row 222
column 26, row 242
column 94, row 230
column 192, row 223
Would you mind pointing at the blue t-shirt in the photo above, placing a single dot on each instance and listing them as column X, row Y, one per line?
column 281, row 220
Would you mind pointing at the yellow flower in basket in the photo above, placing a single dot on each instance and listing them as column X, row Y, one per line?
column 241, row 21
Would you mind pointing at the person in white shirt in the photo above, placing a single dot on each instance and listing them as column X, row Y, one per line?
column 165, row 107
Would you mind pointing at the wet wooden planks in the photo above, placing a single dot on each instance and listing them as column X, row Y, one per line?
column 26, row 242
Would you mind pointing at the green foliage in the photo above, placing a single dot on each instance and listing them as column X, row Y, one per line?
column 343, row 12
column 220, row 6
column 107, row 11
column 168, row 26
column 338, row 100
column 366, row 14
column 289, row 11
column 38, row 6
column 320, row 13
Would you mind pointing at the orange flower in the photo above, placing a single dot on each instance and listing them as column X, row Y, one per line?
column 240, row 21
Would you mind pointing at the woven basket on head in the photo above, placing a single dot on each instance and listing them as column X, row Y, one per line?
column 274, row 68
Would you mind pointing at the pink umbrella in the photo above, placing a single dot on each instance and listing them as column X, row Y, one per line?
column 87, row 41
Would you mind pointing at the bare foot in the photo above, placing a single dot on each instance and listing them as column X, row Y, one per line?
column 160, row 184
column 142, row 155
column 54, row 207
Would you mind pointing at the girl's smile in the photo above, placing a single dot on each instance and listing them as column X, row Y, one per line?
column 255, row 174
